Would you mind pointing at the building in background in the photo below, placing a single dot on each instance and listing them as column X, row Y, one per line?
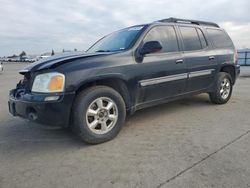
column 244, row 57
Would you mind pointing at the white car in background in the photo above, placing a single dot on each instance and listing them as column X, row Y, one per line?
column 1, row 67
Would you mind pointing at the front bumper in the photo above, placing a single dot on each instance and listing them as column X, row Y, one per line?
column 237, row 70
column 236, row 73
column 33, row 107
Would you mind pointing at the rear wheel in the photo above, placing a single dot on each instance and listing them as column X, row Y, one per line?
column 223, row 89
column 98, row 114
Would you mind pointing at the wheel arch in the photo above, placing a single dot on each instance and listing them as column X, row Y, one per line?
column 117, row 83
column 230, row 69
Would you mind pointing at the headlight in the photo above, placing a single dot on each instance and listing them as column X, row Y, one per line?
column 49, row 83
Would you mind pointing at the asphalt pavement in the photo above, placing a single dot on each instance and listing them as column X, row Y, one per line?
column 186, row 143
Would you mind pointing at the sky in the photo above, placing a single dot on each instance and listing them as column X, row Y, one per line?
column 40, row 26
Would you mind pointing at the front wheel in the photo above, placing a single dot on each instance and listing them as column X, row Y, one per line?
column 223, row 89
column 98, row 114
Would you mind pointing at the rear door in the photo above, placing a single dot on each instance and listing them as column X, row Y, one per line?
column 199, row 57
column 222, row 44
column 164, row 73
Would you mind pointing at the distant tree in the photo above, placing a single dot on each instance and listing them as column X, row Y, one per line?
column 22, row 54
column 75, row 49
column 14, row 55
column 52, row 53
column 63, row 50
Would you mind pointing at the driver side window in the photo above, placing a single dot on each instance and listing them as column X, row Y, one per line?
column 166, row 36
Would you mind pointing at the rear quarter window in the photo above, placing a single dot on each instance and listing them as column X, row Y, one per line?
column 202, row 38
column 219, row 38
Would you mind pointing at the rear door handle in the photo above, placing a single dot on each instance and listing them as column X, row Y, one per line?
column 211, row 57
column 179, row 61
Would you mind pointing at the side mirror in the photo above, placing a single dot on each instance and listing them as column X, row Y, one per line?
column 150, row 47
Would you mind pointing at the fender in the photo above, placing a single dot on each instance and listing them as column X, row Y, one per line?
column 123, row 88
column 102, row 77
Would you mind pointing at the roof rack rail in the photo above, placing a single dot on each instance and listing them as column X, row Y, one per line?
column 186, row 21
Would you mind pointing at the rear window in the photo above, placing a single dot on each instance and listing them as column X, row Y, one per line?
column 219, row 38
column 193, row 38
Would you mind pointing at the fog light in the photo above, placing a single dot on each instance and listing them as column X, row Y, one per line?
column 51, row 98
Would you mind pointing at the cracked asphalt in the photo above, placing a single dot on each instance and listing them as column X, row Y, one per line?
column 186, row 143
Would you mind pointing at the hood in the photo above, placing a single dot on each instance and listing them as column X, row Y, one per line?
column 57, row 60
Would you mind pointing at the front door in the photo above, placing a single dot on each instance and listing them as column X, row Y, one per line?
column 164, row 73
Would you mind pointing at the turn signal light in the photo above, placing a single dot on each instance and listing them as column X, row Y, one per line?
column 56, row 83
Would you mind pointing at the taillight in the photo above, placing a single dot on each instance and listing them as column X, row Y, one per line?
column 235, row 57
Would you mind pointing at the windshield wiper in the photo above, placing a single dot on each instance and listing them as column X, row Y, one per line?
column 103, row 51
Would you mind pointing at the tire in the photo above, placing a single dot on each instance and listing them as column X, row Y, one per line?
column 223, row 83
column 90, row 125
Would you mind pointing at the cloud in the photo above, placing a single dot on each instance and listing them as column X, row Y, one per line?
column 37, row 27
column 240, row 33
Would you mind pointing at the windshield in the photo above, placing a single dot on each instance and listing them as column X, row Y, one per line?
column 117, row 41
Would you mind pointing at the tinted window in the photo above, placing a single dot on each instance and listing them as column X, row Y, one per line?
column 202, row 38
column 166, row 36
column 190, row 39
column 219, row 38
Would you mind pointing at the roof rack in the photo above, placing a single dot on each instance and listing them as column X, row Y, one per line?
column 177, row 20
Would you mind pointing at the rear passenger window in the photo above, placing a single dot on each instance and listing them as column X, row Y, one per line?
column 202, row 38
column 219, row 38
column 191, row 39
column 166, row 36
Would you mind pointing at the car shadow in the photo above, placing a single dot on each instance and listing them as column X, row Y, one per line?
column 176, row 106
column 17, row 134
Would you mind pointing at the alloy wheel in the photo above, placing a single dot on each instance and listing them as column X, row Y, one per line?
column 102, row 115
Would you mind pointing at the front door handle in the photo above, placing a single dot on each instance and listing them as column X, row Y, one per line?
column 179, row 61
column 211, row 57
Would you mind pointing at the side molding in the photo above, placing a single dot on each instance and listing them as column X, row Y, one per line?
column 175, row 77
column 163, row 79
column 200, row 73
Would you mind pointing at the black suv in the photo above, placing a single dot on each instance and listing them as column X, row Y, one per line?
column 127, row 70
